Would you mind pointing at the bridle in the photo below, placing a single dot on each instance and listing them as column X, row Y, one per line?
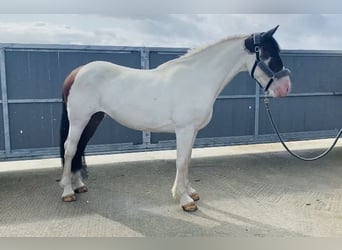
column 277, row 75
column 264, row 67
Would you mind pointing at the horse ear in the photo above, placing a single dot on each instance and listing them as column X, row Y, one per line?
column 269, row 33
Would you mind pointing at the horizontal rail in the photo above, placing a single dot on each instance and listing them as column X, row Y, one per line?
column 28, row 101
column 52, row 152
column 221, row 97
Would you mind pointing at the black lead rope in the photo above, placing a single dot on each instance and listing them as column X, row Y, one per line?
column 266, row 101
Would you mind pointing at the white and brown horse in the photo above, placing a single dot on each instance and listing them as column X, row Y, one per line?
column 176, row 97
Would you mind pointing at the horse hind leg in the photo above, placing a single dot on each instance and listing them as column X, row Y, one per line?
column 78, row 166
column 70, row 145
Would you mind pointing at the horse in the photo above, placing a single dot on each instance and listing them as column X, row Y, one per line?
column 176, row 97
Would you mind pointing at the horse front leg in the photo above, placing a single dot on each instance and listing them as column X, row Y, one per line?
column 181, row 190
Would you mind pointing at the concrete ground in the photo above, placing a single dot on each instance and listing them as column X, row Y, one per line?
column 246, row 191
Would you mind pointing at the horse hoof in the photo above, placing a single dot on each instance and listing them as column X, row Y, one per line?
column 190, row 207
column 195, row 196
column 79, row 190
column 69, row 198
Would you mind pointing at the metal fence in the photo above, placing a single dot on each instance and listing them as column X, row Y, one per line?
column 32, row 75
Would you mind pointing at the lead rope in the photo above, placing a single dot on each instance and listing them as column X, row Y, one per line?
column 266, row 102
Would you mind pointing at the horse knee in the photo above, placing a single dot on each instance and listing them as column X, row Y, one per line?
column 70, row 151
column 70, row 144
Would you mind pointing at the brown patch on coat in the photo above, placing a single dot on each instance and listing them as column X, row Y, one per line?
column 69, row 80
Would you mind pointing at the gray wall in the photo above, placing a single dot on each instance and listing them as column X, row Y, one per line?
column 32, row 76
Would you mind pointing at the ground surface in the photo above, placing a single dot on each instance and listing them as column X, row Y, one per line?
column 246, row 191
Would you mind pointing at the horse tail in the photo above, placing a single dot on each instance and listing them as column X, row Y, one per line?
column 78, row 162
column 63, row 131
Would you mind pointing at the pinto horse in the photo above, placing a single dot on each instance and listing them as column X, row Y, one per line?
column 178, row 97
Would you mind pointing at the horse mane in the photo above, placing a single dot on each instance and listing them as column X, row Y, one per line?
column 208, row 46
column 198, row 50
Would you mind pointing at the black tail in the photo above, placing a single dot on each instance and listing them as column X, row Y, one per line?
column 63, row 131
column 78, row 162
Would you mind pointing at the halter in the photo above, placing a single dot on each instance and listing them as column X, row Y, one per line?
column 263, row 66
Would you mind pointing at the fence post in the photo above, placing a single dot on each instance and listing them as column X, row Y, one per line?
column 256, row 112
column 5, row 113
column 145, row 64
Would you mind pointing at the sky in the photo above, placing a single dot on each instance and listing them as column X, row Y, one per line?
column 296, row 31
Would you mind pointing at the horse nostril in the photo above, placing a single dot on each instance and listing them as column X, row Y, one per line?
column 287, row 89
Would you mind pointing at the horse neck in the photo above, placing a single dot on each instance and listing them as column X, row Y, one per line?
column 216, row 65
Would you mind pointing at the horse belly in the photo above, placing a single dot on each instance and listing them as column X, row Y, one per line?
column 143, row 123
column 161, row 115
column 142, row 115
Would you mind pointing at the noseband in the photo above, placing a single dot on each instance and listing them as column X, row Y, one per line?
column 264, row 67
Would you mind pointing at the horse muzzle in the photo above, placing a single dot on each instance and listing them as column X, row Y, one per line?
column 280, row 87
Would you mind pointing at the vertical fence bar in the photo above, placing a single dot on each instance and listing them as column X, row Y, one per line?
column 5, row 113
column 256, row 112
column 145, row 64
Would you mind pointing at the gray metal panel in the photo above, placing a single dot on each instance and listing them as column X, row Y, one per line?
column 231, row 117
column 34, row 125
column 32, row 75
column 314, row 72
column 303, row 114
column 2, row 136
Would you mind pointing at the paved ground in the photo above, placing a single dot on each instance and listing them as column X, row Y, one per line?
column 246, row 191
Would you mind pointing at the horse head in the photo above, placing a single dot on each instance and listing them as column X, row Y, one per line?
column 265, row 65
